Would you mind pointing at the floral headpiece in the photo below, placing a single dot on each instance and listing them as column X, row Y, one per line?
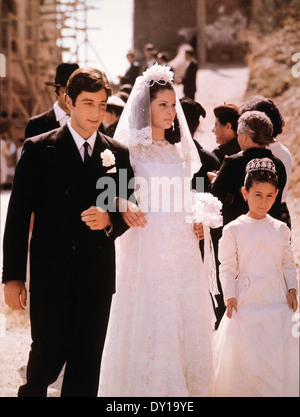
column 160, row 74
column 264, row 164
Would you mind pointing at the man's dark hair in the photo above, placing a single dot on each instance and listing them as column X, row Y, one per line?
column 87, row 79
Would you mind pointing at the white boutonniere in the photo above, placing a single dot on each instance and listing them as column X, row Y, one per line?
column 108, row 158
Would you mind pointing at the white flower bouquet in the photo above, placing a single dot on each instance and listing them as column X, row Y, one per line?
column 207, row 209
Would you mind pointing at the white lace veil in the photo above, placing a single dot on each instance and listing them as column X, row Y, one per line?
column 134, row 126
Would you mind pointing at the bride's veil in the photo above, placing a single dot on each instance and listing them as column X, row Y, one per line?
column 134, row 126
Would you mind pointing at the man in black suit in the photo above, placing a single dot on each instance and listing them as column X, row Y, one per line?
column 150, row 53
column 132, row 72
column 60, row 177
column 58, row 115
column 193, row 111
column 225, row 129
column 189, row 80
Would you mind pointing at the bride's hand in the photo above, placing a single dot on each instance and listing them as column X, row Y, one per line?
column 231, row 305
column 131, row 214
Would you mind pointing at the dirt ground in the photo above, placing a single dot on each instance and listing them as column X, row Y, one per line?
column 215, row 86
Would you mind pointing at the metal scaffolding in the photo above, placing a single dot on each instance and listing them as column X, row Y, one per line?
column 72, row 20
column 35, row 35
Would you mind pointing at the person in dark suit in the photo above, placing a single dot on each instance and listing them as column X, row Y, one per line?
column 60, row 177
column 57, row 116
column 190, row 75
column 150, row 54
column 193, row 111
column 268, row 106
column 163, row 59
column 254, row 135
column 114, row 108
column 132, row 72
column 225, row 129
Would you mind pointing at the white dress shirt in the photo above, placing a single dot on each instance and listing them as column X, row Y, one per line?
column 80, row 141
column 61, row 116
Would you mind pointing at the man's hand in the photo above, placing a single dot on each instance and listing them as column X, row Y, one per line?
column 15, row 294
column 96, row 218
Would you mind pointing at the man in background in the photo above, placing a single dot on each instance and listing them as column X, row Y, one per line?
column 132, row 72
column 57, row 116
column 225, row 129
column 190, row 76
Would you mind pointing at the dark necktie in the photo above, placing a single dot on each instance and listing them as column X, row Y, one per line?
column 86, row 155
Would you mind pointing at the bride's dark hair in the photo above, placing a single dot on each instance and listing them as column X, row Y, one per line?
column 172, row 135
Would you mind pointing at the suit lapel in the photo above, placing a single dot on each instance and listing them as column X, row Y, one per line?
column 70, row 164
column 69, row 154
column 70, row 160
column 67, row 148
column 100, row 145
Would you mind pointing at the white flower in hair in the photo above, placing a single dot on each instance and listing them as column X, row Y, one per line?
column 160, row 74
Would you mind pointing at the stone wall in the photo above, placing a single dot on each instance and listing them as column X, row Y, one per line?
column 170, row 23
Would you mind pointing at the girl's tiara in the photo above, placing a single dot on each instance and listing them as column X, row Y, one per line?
column 264, row 164
column 160, row 74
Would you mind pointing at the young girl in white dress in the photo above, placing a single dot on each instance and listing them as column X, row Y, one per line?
column 258, row 339
column 159, row 339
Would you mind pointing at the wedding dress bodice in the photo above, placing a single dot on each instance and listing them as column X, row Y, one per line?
column 161, row 177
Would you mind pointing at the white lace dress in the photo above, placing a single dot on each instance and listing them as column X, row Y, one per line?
column 159, row 340
column 258, row 348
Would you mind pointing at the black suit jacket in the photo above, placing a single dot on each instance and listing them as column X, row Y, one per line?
column 52, row 181
column 131, row 74
column 230, row 179
column 41, row 123
column 189, row 80
column 209, row 163
column 230, row 148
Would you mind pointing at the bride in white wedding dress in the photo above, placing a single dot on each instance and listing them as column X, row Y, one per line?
column 159, row 340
